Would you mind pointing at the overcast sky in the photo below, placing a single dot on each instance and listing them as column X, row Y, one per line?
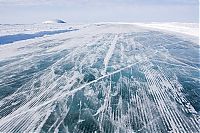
column 89, row 11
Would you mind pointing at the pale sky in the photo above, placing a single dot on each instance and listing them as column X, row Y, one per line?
column 89, row 11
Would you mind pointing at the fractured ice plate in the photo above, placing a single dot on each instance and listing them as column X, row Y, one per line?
column 109, row 78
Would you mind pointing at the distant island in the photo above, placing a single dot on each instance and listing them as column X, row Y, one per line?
column 54, row 21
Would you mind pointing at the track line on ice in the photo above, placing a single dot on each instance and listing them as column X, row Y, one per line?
column 109, row 53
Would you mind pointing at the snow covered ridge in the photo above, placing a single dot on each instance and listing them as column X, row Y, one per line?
column 20, row 37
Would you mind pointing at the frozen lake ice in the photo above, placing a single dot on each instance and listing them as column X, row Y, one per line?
column 109, row 78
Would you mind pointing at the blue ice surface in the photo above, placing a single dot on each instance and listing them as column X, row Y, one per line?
column 19, row 37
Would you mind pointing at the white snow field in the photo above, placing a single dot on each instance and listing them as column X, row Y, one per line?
column 185, row 28
column 98, row 78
